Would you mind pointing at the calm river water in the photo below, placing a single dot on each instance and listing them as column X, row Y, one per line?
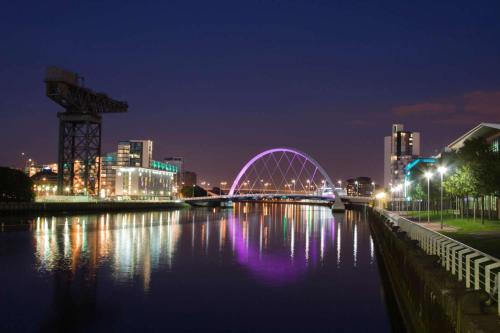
column 254, row 268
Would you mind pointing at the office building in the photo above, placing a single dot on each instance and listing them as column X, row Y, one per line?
column 32, row 167
column 178, row 162
column 400, row 149
column 44, row 182
column 490, row 132
column 145, row 183
column 108, row 174
column 131, row 172
column 135, row 153
column 360, row 186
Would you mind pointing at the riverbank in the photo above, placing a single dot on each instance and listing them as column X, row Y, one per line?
column 430, row 297
column 482, row 235
column 41, row 208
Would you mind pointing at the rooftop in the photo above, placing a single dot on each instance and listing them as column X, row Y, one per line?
column 481, row 130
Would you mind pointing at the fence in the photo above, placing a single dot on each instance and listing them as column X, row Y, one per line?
column 478, row 270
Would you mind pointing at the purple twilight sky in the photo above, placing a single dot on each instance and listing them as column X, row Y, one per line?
column 219, row 81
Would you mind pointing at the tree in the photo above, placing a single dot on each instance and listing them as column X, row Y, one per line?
column 418, row 192
column 462, row 184
column 477, row 172
column 193, row 191
column 15, row 186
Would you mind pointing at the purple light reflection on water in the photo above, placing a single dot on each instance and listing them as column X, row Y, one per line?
column 272, row 268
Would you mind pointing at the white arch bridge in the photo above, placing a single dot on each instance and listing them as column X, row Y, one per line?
column 282, row 174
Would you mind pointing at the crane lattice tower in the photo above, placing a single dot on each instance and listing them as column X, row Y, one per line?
column 79, row 130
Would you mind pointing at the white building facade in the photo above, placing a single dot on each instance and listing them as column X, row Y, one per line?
column 144, row 183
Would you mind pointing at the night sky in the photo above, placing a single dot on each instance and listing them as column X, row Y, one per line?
column 218, row 82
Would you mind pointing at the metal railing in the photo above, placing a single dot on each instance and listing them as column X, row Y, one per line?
column 478, row 270
column 278, row 195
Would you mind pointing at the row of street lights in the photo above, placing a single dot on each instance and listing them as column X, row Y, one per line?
column 441, row 170
column 288, row 186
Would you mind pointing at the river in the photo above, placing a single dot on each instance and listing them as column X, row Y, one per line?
column 253, row 268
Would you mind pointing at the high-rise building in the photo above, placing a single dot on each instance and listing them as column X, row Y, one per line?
column 135, row 153
column 400, row 148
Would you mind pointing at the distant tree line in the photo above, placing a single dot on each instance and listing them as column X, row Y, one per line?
column 193, row 191
column 15, row 186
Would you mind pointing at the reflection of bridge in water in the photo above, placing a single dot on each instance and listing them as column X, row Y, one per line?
column 283, row 174
column 255, row 244
column 276, row 242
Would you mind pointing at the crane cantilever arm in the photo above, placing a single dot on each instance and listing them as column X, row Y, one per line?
column 82, row 100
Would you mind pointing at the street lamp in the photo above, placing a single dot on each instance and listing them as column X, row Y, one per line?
column 405, row 193
column 293, row 182
column 442, row 170
column 428, row 175
column 391, row 189
column 380, row 197
column 194, row 185
column 398, row 189
column 357, row 188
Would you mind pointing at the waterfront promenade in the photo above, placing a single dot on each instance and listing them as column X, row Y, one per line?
column 452, row 286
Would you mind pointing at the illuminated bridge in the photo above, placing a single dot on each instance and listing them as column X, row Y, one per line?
column 282, row 174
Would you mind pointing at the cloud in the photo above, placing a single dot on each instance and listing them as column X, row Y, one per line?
column 430, row 108
column 469, row 108
column 485, row 103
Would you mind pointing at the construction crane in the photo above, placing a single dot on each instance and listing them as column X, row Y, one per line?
column 79, row 130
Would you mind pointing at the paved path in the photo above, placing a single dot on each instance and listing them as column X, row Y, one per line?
column 436, row 226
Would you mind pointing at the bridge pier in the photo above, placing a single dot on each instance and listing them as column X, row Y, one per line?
column 226, row 204
column 338, row 205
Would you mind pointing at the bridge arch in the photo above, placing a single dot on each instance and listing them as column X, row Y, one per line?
column 310, row 176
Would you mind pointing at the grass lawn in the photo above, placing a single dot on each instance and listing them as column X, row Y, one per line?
column 483, row 236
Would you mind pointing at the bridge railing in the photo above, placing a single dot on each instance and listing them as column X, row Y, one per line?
column 476, row 269
column 357, row 199
column 252, row 195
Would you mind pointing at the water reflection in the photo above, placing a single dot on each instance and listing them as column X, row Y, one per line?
column 159, row 270
column 276, row 243
column 130, row 244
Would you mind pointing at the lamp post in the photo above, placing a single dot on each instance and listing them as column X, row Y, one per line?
column 442, row 171
column 398, row 189
column 357, row 188
column 293, row 183
column 428, row 175
column 194, row 185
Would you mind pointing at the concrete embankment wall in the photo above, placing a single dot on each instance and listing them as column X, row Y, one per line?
column 430, row 298
column 16, row 208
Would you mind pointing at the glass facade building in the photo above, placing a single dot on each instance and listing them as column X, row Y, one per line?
column 135, row 153
column 108, row 174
